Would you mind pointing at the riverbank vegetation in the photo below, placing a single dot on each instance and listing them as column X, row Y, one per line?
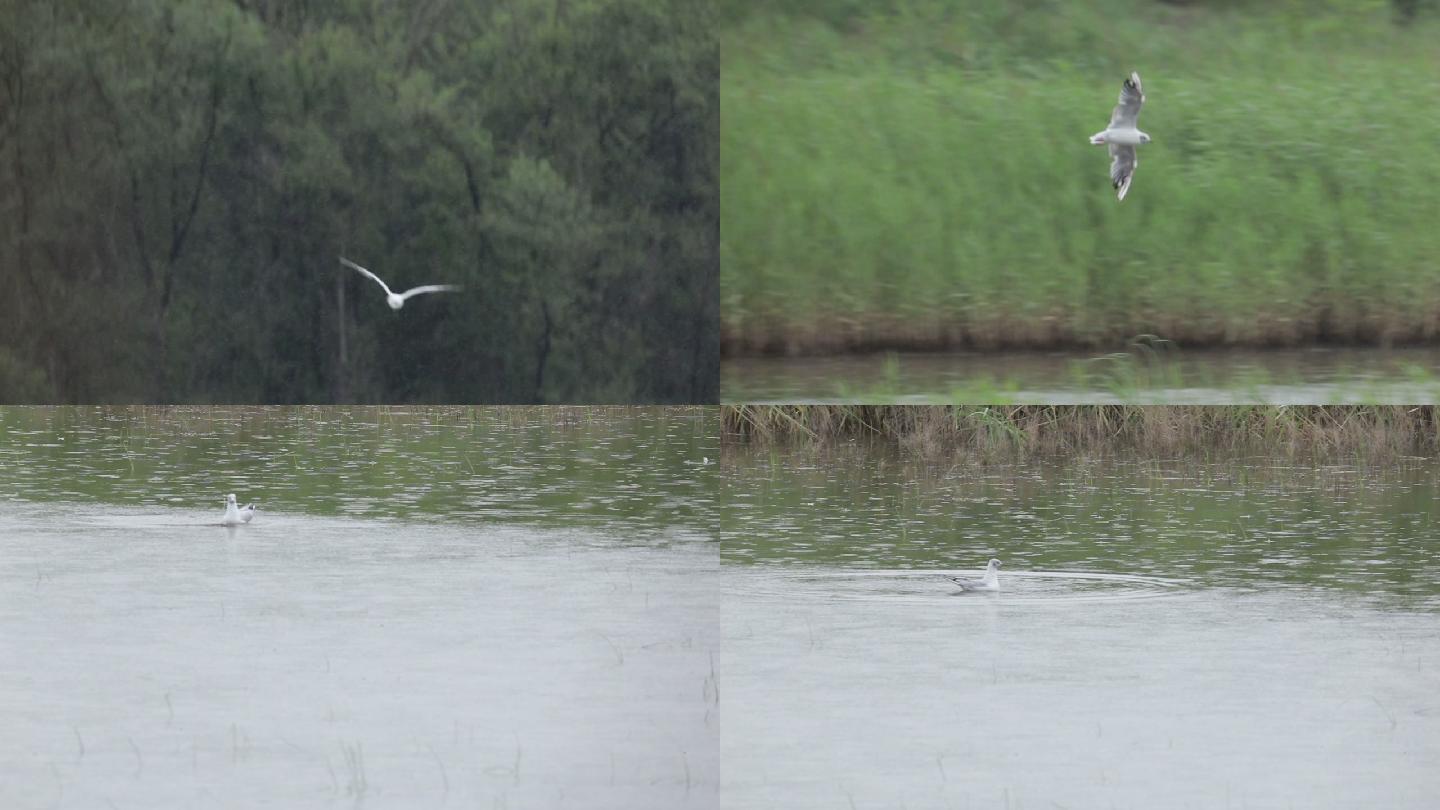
column 178, row 180
column 914, row 174
column 1008, row 432
column 1150, row 372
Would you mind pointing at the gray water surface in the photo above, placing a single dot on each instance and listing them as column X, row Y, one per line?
column 1246, row 632
column 391, row 630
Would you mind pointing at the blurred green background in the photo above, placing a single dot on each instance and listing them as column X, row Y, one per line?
column 915, row 174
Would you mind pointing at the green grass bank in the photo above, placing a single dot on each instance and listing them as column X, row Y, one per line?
column 916, row 175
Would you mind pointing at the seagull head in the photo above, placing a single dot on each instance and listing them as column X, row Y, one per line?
column 1144, row 138
column 230, row 499
column 994, row 563
column 394, row 301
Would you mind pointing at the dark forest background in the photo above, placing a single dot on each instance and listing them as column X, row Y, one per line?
column 177, row 181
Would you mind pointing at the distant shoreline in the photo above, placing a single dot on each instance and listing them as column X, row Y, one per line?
column 868, row 340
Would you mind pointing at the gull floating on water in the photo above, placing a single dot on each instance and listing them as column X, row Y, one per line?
column 397, row 301
column 1123, row 136
column 235, row 516
column 990, row 582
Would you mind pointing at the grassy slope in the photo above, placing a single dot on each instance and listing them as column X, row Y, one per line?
column 923, row 179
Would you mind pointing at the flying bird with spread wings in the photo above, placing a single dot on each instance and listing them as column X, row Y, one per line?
column 1122, row 136
column 397, row 300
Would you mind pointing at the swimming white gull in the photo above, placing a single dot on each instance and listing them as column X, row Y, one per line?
column 990, row 582
column 234, row 515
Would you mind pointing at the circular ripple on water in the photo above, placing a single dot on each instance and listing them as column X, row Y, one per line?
column 930, row 585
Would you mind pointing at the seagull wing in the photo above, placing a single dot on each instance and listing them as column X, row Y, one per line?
column 1122, row 167
column 968, row 584
column 367, row 273
column 1128, row 110
column 429, row 288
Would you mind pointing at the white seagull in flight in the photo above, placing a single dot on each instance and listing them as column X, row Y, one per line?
column 396, row 301
column 1123, row 136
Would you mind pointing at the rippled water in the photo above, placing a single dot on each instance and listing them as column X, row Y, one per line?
column 438, row 608
column 1233, row 522
column 641, row 467
column 1403, row 376
column 1243, row 632
column 925, row 587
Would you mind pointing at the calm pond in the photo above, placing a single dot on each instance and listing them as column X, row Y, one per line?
column 433, row 607
column 1244, row 632
column 1149, row 375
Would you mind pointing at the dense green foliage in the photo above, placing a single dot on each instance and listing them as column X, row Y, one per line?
column 916, row 174
column 177, row 181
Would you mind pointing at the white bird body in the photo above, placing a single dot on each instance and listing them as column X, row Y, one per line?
column 990, row 582
column 233, row 515
column 397, row 300
column 1122, row 135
